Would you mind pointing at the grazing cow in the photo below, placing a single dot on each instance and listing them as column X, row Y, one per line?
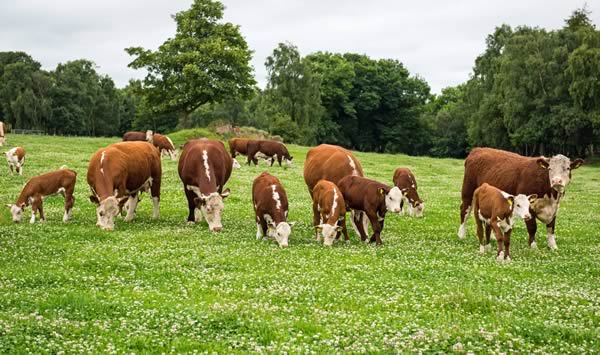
column 516, row 174
column 405, row 180
column 371, row 198
column 119, row 172
column 329, row 212
column 238, row 145
column 147, row 136
column 271, row 209
column 16, row 159
column 204, row 168
column 2, row 141
column 268, row 149
column 496, row 209
column 37, row 188
column 164, row 145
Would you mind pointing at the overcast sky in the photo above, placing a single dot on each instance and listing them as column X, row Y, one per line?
column 437, row 40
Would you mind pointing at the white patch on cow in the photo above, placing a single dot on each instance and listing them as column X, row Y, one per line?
column 380, row 218
column 171, row 143
column 413, row 186
column 481, row 249
column 236, row 164
column 353, row 166
column 355, row 214
column 195, row 189
column 259, row 232
column 197, row 215
column 276, row 197
column 155, row 202
column 533, row 245
column 551, row 239
column 500, row 256
column 487, row 247
column 335, row 198
column 505, row 224
column 393, row 199
column 67, row 215
column 546, row 208
column 281, row 233
column 206, row 167
column 131, row 205
column 61, row 191
column 329, row 233
column 288, row 163
column 32, row 220
column 102, row 161
column 559, row 168
column 462, row 230
column 521, row 207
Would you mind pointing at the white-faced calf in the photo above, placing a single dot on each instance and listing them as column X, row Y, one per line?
column 16, row 159
column 496, row 210
column 405, row 180
column 329, row 212
column 38, row 187
column 271, row 209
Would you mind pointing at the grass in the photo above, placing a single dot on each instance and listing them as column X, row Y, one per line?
column 163, row 286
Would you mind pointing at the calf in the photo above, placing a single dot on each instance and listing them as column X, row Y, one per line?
column 147, row 136
column 371, row 198
column 329, row 211
column 495, row 209
column 204, row 168
column 271, row 209
column 16, row 159
column 164, row 145
column 405, row 180
column 119, row 172
column 37, row 188
column 268, row 149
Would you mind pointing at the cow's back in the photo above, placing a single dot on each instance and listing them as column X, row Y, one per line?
column 192, row 161
column 134, row 136
column 331, row 163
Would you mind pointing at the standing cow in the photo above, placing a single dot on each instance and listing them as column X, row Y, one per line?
column 516, row 174
column 495, row 209
column 329, row 212
column 15, row 158
column 133, row 136
column 204, row 168
column 268, row 149
column 405, row 180
column 238, row 145
column 119, row 172
column 373, row 199
column 37, row 188
column 271, row 209
column 164, row 145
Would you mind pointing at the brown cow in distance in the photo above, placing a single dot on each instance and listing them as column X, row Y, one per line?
column 238, row 145
column 134, row 136
column 268, row 149
column 515, row 174
column 495, row 209
column 405, row 180
column 271, row 209
column 329, row 212
column 164, row 145
column 204, row 168
column 120, row 171
column 37, row 188
column 373, row 199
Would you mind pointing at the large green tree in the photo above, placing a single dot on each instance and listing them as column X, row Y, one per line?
column 206, row 61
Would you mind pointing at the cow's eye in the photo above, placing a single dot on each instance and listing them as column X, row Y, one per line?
column 101, row 214
column 518, row 205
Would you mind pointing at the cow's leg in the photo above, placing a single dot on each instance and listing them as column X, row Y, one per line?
column 465, row 210
column 377, row 226
column 264, row 226
column 69, row 202
column 41, row 210
column 10, row 166
column 155, row 193
column 131, row 206
column 480, row 235
column 507, row 245
column 259, row 229
column 531, row 229
column 356, row 220
column 402, row 207
column 551, row 236
column 488, row 232
column 344, row 229
column 499, row 239
column 316, row 220
column 190, row 195
column 34, row 207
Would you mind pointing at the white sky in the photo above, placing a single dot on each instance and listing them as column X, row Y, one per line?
column 438, row 40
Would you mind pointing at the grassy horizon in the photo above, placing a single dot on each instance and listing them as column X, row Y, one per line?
column 163, row 286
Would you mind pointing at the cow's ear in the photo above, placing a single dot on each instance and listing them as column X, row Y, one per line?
column 291, row 224
column 381, row 191
column 532, row 198
column 543, row 162
column 198, row 201
column 225, row 193
column 510, row 199
column 576, row 164
column 404, row 192
column 94, row 199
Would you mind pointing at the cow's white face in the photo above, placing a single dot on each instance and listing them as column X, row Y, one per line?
column 416, row 208
column 329, row 233
column 521, row 204
column 173, row 154
column 106, row 212
column 17, row 212
column 281, row 232
column 559, row 170
column 236, row 164
column 212, row 206
column 393, row 199
column 288, row 162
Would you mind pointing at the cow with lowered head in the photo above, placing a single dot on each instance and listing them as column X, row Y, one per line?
column 405, row 180
column 515, row 174
column 119, row 172
column 373, row 199
column 164, row 145
column 268, row 149
column 204, row 168
column 329, row 212
column 495, row 210
column 134, row 136
column 271, row 209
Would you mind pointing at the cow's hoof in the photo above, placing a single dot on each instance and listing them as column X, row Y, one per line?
column 488, row 247
column 533, row 245
column 481, row 249
column 462, row 231
column 189, row 223
column 553, row 247
column 500, row 256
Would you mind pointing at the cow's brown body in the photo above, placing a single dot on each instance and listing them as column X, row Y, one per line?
column 514, row 174
column 238, row 145
column 268, row 149
column 134, row 136
column 271, row 208
column 329, row 207
column 331, row 163
column 59, row 181
column 368, row 196
column 164, row 145
column 405, row 180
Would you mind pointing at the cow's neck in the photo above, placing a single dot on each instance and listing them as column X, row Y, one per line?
column 546, row 207
column 104, row 188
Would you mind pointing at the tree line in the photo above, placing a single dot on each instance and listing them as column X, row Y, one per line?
column 532, row 91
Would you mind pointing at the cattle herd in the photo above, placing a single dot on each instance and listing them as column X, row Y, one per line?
column 498, row 186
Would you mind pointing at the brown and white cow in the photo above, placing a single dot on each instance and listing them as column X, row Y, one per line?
column 16, row 159
column 495, row 210
column 329, row 212
column 516, row 174
column 120, row 171
column 268, row 149
column 373, row 199
column 2, row 139
column 271, row 209
column 37, row 188
column 238, row 145
column 134, row 136
column 204, row 168
column 405, row 180
column 164, row 145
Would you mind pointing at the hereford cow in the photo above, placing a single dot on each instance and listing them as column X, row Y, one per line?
column 147, row 136
column 329, row 212
column 515, row 174
column 164, row 145
column 268, row 149
column 119, row 172
column 373, row 199
column 405, row 180
column 37, row 188
column 2, row 141
column 496, row 209
column 271, row 209
column 204, row 168
column 238, row 145
column 16, row 159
